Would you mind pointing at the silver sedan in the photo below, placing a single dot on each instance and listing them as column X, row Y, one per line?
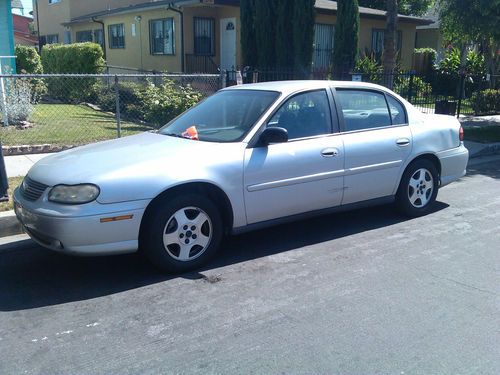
column 247, row 157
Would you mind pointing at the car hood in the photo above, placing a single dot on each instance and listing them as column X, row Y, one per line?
column 135, row 167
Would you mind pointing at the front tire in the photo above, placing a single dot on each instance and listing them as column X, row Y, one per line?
column 418, row 189
column 181, row 233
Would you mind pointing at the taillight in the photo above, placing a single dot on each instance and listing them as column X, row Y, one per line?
column 461, row 134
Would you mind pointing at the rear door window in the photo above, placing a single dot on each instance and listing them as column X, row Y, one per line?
column 363, row 109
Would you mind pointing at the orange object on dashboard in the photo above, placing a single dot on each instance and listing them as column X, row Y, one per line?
column 191, row 133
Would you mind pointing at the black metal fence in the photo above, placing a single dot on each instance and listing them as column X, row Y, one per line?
column 54, row 111
column 431, row 93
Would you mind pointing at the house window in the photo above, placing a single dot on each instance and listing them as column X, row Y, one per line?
column 204, row 36
column 98, row 37
column 323, row 45
column 161, row 36
column 84, row 36
column 378, row 42
column 54, row 1
column 116, row 34
column 52, row 39
column 67, row 37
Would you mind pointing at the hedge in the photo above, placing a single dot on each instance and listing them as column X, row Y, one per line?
column 77, row 58
column 486, row 102
column 28, row 61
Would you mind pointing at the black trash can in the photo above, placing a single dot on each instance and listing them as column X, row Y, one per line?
column 445, row 107
column 4, row 185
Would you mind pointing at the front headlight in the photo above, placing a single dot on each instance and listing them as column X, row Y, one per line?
column 74, row 194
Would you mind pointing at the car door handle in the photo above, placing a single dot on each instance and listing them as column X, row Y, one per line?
column 402, row 142
column 329, row 152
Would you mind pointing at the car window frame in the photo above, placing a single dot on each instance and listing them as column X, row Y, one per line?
column 334, row 120
column 387, row 95
column 340, row 112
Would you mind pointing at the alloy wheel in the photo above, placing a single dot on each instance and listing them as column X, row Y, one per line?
column 420, row 188
column 187, row 234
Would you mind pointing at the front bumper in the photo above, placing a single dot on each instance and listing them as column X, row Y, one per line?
column 453, row 164
column 82, row 232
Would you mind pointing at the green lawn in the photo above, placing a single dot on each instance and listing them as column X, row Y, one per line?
column 67, row 124
column 13, row 183
column 487, row 134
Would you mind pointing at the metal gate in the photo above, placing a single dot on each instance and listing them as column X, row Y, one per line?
column 323, row 45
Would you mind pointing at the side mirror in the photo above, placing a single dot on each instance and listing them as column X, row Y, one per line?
column 273, row 135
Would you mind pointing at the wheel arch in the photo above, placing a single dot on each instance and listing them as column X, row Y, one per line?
column 425, row 156
column 214, row 192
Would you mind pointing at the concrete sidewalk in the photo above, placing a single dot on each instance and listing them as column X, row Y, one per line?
column 19, row 165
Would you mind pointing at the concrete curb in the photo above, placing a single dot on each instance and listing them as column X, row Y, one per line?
column 9, row 225
column 488, row 150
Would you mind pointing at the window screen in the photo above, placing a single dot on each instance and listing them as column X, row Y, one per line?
column 84, row 36
column 204, row 36
column 161, row 33
column 116, row 35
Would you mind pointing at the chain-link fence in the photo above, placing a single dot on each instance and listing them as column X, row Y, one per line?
column 57, row 110
column 67, row 110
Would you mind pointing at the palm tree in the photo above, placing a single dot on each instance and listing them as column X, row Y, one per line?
column 390, row 42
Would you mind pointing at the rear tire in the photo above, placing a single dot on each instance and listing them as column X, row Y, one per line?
column 181, row 233
column 418, row 189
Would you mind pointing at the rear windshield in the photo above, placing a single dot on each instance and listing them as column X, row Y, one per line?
column 226, row 116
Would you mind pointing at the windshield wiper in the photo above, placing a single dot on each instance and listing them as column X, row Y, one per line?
column 174, row 135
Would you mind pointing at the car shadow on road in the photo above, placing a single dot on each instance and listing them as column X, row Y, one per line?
column 32, row 277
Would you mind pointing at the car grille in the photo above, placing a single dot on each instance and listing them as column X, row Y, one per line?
column 32, row 190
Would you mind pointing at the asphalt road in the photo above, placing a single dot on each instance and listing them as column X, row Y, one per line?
column 365, row 292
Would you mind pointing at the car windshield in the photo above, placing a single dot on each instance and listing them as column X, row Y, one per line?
column 223, row 117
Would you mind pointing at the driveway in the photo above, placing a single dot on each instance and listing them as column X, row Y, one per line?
column 353, row 293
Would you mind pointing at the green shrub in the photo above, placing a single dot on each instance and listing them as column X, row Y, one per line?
column 165, row 102
column 475, row 64
column 418, row 86
column 370, row 68
column 154, row 104
column 450, row 64
column 82, row 58
column 28, row 62
column 77, row 58
column 486, row 102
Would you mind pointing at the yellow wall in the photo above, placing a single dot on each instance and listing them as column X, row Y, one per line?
column 217, row 13
column 84, row 7
column 431, row 38
column 51, row 17
column 136, row 53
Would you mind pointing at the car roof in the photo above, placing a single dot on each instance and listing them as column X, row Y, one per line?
column 289, row 87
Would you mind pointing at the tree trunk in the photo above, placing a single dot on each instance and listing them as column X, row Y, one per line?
column 390, row 43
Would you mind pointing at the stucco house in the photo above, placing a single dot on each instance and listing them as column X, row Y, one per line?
column 193, row 35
